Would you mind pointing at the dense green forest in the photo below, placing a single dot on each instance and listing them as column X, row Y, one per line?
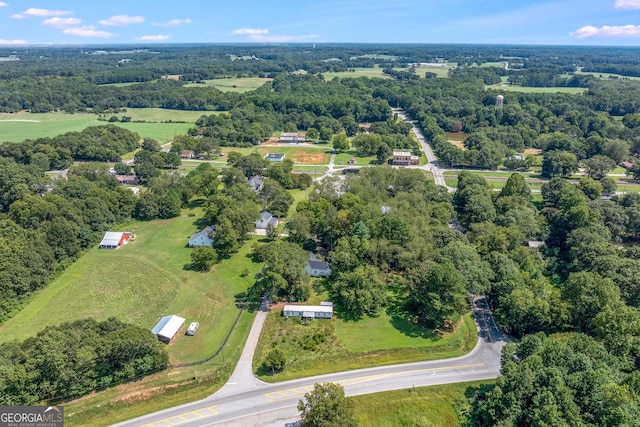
column 388, row 232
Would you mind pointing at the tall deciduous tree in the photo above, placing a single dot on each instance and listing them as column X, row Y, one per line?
column 327, row 406
column 360, row 292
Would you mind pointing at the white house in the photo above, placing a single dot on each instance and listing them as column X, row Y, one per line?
column 202, row 238
column 256, row 182
column 168, row 327
column 322, row 311
column 265, row 219
column 317, row 268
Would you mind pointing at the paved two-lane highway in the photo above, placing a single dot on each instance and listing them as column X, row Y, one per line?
column 255, row 403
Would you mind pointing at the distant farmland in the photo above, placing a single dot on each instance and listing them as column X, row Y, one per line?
column 240, row 85
column 17, row 127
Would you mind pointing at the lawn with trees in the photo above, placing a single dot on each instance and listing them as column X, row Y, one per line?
column 396, row 262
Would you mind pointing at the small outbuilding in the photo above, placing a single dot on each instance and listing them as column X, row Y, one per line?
column 322, row 311
column 114, row 239
column 265, row 219
column 168, row 327
column 202, row 238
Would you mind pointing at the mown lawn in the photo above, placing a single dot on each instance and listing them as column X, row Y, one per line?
column 20, row 126
column 342, row 159
column 357, row 72
column 436, row 406
column 323, row 346
column 243, row 84
column 141, row 282
column 508, row 88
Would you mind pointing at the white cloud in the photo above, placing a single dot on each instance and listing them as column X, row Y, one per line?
column 3, row 4
column 40, row 13
column 250, row 31
column 262, row 35
column 58, row 22
column 4, row 42
column 607, row 31
column 156, row 38
column 121, row 20
column 89, row 32
column 173, row 23
column 627, row 4
column 274, row 38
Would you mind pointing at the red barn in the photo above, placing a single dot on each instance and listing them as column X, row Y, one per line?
column 113, row 240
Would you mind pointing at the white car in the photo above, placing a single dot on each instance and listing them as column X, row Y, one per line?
column 193, row 327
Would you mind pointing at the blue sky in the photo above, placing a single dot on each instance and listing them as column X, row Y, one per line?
column 596, row 22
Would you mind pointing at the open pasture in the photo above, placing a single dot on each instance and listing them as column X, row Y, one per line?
column 141, row 282
column 17, row 127
column 243, row 84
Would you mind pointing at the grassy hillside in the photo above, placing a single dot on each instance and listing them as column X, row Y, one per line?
column 141, row 282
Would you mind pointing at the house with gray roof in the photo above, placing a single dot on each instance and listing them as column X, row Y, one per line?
column 202, row 238
column 317, row 268
column 256, row 183
column 265, row 219
column 274, row 157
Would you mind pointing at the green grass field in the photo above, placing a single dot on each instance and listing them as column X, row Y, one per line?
column 346, row 345
column 342, row 159
column 357, row 72
column 300, row 155
column 504, row 87
column 241, row 85
column 606, row 76
column 141, row 282
column 436, row 406
column 439, row 71
column 21, row 126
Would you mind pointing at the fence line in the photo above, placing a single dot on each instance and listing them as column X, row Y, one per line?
column 245, row 304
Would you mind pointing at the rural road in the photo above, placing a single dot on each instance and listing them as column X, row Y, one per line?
column 253, row 402
column 432, row 166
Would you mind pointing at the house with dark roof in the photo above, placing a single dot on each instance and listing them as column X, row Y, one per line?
column 256, row 182
column 128, row 179
column 274, row 158
column 202, row 238
column 265, row 219
column 317, row 268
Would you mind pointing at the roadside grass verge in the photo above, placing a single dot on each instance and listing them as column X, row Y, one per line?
column 324, row 346
column 435, row 406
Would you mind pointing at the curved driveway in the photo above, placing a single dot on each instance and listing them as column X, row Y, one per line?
column 244, row 400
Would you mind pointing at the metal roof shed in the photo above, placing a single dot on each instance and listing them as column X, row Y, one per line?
column 168, row 327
